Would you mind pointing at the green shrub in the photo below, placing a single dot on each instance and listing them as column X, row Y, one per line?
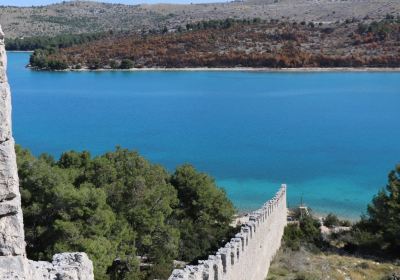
column 126, row 64
column 305, row 276
column 293, row 236
column 331, row 220
column 114, row 64
column 305, row 233
column 363, row 265
column 378, row 232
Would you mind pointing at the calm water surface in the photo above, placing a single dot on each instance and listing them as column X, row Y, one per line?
column 332, row 137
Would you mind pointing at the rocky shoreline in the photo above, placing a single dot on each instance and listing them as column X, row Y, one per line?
column 233, row 69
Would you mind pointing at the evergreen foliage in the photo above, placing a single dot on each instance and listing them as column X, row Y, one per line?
column 203, row 210
column 306, row 233
column 220, row 23
column 126, row 64
column 40, row 59
column 117, row 207
column 379, row 231
column 45, row 42
column 331, row 220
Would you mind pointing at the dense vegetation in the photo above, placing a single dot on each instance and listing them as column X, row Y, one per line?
column 378, row 232
column 304, row 234
column 47, row 42
column 132, row 217
column 238, row 43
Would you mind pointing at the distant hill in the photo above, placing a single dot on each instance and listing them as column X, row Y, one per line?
column 91, row 17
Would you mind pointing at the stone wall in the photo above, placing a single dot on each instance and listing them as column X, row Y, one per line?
column 13, row 262
column 248, row 255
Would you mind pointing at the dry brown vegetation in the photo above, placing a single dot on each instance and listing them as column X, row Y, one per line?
column 243, row 44
column 305, row 265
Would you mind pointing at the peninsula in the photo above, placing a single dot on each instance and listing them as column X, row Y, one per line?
column 230, row 43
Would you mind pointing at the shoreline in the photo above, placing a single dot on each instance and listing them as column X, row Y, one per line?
column 244, row 215
column 237, row 69
column 19, row 51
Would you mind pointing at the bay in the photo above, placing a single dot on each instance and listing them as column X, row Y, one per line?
column 332, row 137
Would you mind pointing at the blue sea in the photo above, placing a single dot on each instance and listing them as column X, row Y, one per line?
column 331, row 137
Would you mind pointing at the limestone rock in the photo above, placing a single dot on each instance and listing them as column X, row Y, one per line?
column 9, row 187
column 65, row 266
column 11, row 224
column 3, row 58
column 5, row 100
column 70, row 266
column 14, row 267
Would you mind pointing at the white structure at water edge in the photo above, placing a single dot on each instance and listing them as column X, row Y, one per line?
column 248, row 255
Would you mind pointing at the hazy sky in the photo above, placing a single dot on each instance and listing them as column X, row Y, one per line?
column 45, row 2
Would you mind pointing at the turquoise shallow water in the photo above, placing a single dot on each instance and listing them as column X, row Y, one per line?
column 332, row 137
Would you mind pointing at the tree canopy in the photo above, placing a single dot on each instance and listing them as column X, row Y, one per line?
column 379, row 231
column 59, row 41
column 132, row 217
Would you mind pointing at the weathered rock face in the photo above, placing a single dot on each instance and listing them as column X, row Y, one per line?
column 11, row 225
column 65, row 266
column 13, row 262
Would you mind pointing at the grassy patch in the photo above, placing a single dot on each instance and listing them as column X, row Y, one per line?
column 305, row 265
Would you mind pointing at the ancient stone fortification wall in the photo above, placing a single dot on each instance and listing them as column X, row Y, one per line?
column 13, row 262
column 248, row 255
